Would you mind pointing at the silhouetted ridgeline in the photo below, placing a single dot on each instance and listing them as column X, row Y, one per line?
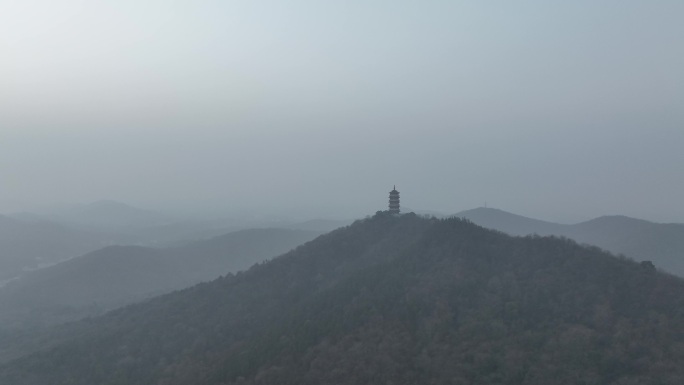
column 401, row 300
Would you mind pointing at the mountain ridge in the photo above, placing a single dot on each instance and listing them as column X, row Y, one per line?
column 661, row 243
column 117, row 275
column 392, row 299
column 27, row 245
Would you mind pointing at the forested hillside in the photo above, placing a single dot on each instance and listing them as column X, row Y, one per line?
column 402, row 300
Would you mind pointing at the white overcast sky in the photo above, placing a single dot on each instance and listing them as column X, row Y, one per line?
column 561, row 110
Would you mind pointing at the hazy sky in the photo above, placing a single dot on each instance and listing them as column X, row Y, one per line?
column 561, row 110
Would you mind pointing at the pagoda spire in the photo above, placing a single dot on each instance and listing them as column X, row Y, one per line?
column 394, row 201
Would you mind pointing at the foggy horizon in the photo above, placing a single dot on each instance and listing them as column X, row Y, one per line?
column 561, row 112
column 262, row 215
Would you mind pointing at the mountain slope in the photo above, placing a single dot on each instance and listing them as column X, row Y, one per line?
column 27, row 245
column 117, row 275
column 392, row 300
column 510, row 223
column 663, row 244
column 643, row 240
column 323, row 225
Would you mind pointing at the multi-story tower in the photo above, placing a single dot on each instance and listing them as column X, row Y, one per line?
column 394, row 201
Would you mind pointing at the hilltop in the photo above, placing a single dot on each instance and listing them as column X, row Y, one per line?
column 391, row 300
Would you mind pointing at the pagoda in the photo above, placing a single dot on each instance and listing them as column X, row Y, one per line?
column 394, row 201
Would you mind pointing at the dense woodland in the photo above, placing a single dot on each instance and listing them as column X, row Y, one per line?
column 390, row 300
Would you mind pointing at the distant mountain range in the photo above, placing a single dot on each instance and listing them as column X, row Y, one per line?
column 124, row 224
column 117, row 275
column 29, row 240
column 663, row 244
column 387, row 300
column 32, row 240
column 26, row 245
